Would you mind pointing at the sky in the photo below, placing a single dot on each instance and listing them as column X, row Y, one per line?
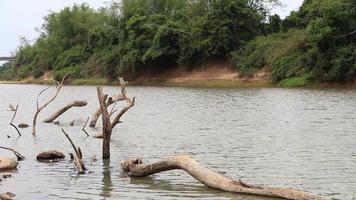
column 20, row 18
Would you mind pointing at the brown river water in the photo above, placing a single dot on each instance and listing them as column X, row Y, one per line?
column 295, row 138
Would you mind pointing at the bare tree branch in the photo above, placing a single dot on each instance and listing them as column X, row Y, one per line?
column 18, row 155
column 40, row 108
column 12, row 120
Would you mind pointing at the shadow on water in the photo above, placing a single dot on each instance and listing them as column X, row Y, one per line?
column 154, row 184
column 107, row 186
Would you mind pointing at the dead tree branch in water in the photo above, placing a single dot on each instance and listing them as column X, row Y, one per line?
column 112, row 100
column 77, row 156
column 83, row 129
column 107, row 124
column 17, row 154
column 58, row 87
column 13, row 118
column 59, row 112
column 136, row 168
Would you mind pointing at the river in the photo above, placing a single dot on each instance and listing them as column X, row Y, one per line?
column 298, row 138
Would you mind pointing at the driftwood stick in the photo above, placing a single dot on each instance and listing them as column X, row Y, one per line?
column 71, row 142
column 83, row 129
column 12, row 120
column 59, row 112
column 76, row 156
column 136, row 168
column 18, row 155
column 58, row 87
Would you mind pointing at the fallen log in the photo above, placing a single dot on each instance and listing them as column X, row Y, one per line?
column 59, row 112
column 136, row 168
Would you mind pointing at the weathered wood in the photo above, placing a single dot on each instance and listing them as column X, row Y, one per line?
column 77, row 156
column 59, row 112
column 7, row 196
column 136, row 168
column 12, row 120
column 104, row 101
column 17, row 154
column 58, row 86
column 50, row 155
column 109, row 102
column 7, row 164
column 107, row 129
column 83, row 129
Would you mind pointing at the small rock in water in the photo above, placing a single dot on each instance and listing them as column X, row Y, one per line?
column 56, row 122
column 50, row 156
column 71, row 123
column 7, row 164
column 23, row 125
column 5, row 176
column 7, row 196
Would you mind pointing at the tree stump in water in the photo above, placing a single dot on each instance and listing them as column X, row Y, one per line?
column 136, row 168
column 50, row 156
column 7, row 164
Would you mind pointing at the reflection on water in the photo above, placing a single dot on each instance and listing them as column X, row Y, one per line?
column 107, row 183
column 297, row 138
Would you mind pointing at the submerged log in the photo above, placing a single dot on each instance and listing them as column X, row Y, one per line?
column 64, row 109
column 136, row 168
column 7, row 164
column 23, row 125
column 7, row 196
column 50, row 155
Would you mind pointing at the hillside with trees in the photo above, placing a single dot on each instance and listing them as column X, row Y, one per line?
column 314, row 44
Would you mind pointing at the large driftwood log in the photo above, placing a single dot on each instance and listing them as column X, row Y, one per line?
column 58, row 86
column 64, row 109
column 107, row 124
column 110, row 101
column 136, row 168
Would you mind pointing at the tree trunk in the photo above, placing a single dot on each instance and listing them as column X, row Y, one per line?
column 135, row 168
column 106, row 123
column 64, row 109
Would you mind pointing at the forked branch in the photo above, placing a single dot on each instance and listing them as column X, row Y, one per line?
column 58, row 88
column 13, row 118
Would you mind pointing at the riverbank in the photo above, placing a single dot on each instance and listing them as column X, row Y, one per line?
column 212, row 75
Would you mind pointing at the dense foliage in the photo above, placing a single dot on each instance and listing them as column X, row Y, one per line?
column 138, row 36
column 316, row 43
